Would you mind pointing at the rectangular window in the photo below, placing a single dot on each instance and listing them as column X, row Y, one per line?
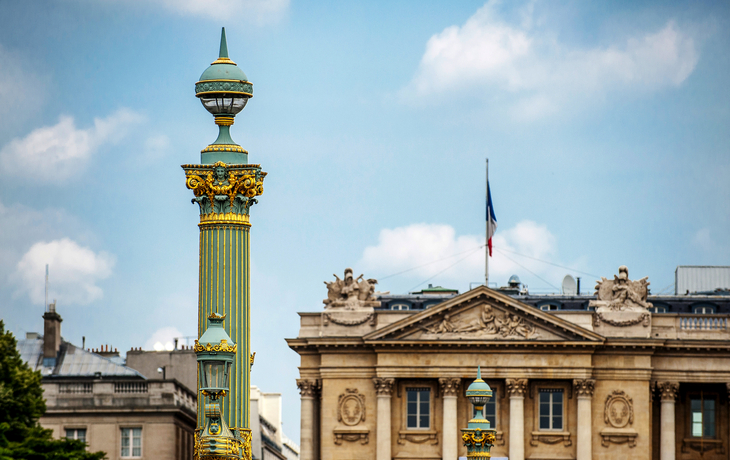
column 76, row 433
column 490, row 410
column 131, row 442
column 551, row 409
column 702, row 417
column 418, row 408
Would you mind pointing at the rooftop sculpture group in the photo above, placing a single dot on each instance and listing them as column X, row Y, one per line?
column 621, row 301
column 350, row 293
column 350, row 301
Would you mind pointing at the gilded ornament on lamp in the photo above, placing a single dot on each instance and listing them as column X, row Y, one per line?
column 251, row 358
column 224, row 147
column 225, row 448
column 478, row 438
column 222, row 347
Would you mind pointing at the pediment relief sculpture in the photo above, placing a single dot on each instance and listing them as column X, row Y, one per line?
column 350, row 301
column 483, row 322
column 621, row 301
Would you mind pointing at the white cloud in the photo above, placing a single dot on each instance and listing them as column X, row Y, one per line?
column 419, row 245
column 74, row 272
column 252, row 11
column 489, row 56
column 163, row 339
column 55, row 153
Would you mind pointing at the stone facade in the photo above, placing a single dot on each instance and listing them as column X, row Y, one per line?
column 567, row 385
column 108, row 410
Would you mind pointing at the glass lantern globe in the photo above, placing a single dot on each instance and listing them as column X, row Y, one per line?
column 214, row 373
column 225, row 104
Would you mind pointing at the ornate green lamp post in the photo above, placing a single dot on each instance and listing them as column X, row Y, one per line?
column 479, row 436
column 216, row 354
column 225, row 187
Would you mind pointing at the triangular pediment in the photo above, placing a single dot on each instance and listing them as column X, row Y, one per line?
column 483, row 314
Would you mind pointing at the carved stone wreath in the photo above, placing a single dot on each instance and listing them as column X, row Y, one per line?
column 348, row 318
column 643, row 318
column 619, row 410
column 351, row 407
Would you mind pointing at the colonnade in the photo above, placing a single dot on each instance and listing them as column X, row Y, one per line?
column 516, row 390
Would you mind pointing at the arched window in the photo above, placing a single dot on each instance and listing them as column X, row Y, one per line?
column 430, row 304
column 549, row 306
column 704, row 308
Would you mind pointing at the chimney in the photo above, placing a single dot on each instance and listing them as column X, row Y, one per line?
column 51, row 335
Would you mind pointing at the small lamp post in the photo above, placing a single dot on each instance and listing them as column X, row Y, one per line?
column 216, row 351
column 479, row 436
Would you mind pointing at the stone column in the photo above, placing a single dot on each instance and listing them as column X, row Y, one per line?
column 450, row 432
column 584, row 391
column 667, row 444
column 516, row 388
column 384, row 393
column 308, row 390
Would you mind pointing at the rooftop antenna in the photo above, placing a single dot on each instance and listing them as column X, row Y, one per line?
column 569, row 285
column 46, row 305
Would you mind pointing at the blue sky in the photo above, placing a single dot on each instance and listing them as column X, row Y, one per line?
column 606, row 127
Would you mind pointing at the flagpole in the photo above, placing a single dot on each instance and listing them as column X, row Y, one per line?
column 486, row 240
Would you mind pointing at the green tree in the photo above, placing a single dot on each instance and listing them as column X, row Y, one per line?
column 21, row 405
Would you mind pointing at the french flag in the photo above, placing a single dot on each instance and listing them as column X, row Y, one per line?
column 491, row 220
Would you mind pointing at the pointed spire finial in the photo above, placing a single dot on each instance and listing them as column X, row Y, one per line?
column 223, row 53
column 224, row 44
column 479, row 372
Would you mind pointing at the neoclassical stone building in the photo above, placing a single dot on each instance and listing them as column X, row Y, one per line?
column 612, row 380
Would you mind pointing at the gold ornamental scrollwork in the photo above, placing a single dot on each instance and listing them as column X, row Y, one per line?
column 234, row 184
column 478, row 438
column 222, row 347
column 225, row 448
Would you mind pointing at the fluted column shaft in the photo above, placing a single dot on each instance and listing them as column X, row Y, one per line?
column 224, row 289
column 516, row 388
column 308, row 390
column 450, row 432
column 667, row 442
column 384, row 392
column 584, row 391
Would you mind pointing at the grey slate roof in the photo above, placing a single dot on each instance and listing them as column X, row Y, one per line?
column 72, row 362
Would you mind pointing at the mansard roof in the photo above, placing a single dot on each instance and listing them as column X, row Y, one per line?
column 73, row 362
